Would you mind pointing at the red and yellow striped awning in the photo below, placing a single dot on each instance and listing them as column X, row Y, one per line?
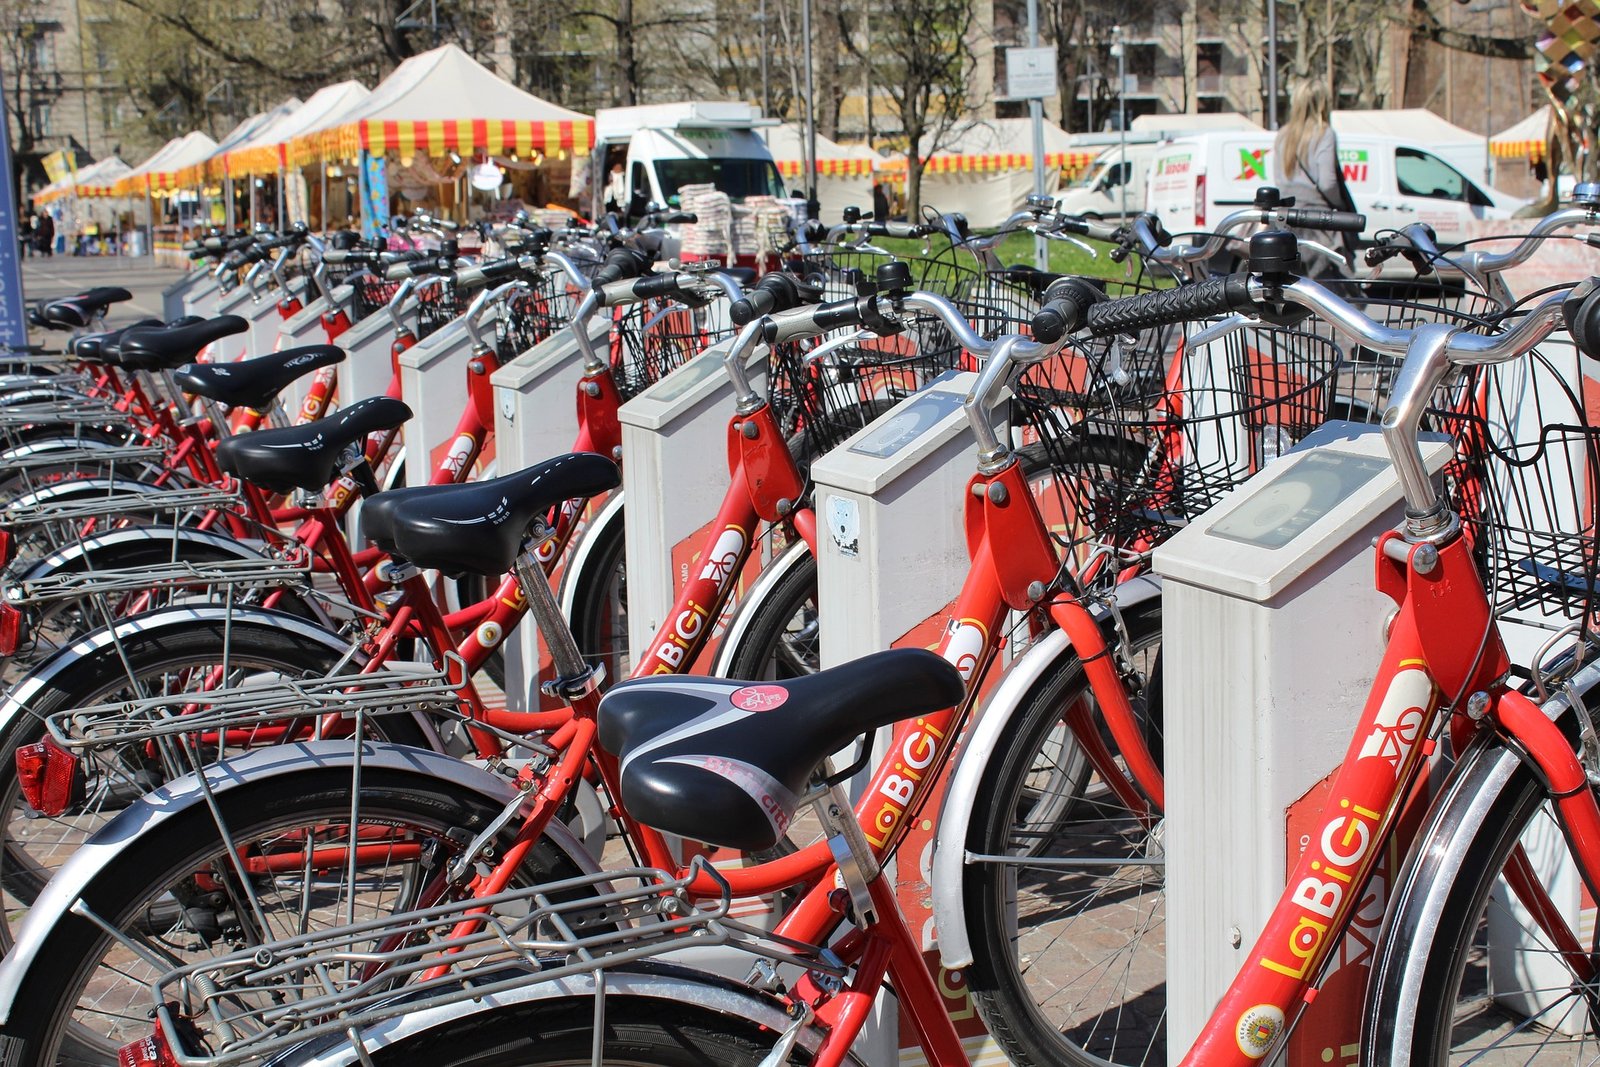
column 995, row 162
column 828, row 168
column 263, row 159
column 1531, row 150
column 437, row 137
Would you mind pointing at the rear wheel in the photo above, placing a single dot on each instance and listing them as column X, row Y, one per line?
column 600, row 603
column 639, row 1032
column 783, row 638
column 177, row 898
column 171, row 660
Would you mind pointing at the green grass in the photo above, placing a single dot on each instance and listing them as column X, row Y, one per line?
column 1018, row 248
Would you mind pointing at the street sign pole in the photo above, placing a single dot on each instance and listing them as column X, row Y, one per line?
column 1041, row 256
column 13, row 313
column 1031, row 76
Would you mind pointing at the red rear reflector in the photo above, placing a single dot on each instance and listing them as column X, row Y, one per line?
column 151, row 1051
column 8, row 548
column 10, row 629
column 51, row 778
column 1200, row 200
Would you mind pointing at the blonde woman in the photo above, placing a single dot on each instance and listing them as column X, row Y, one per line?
column 1305, row 165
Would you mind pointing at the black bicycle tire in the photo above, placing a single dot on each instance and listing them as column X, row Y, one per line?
column 641, row 1031
column 997, row 988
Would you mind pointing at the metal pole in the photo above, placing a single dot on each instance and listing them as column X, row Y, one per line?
column 280, row 200
column 1272, row 64
column 1122, row 111
column 1041, row 254
column 324, row 219
column 811, row 113
column 227, row 214
column 766, row 85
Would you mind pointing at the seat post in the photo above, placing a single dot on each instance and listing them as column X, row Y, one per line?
column 574, row 677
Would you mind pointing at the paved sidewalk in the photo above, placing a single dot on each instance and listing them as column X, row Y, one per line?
column 64, row 275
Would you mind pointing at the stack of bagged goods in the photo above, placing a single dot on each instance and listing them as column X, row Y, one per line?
column 710, row 237
column 763, row 227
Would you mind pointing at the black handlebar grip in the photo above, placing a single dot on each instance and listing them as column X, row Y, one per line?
column 680, row 218
column 620, row 263
column 1207, row 299
column 758, row 302
column 776, row 291
column 659, row 285
column 1321, row 218
column 1067, row 302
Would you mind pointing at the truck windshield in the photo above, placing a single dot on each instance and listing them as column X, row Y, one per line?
column 738, row 178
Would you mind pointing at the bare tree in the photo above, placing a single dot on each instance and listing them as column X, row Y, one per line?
column 924, row 57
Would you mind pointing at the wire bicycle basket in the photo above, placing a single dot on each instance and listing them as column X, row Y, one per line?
column 1133, row 458
column 652, row 338
column 371, row 293
column 530, row 316
column 831, row 388
column 437, row 306
column 1525, row 481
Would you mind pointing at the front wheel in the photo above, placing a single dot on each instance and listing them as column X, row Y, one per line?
column 1464, row 973
column 782, row 638
column 1065, row 884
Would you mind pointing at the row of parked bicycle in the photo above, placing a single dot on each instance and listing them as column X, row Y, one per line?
column 263, row 804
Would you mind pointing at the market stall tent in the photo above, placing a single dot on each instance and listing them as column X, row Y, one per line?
column 267, row 150
column 95, row 180
column 161, row 171
column 1465, row 150
column 845, row 173
column 442, row 101
column 213, row 166
column 985, row 171
column 1523, row 140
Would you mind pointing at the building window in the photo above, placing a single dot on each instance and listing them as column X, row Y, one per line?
column 39, row 118
column 42, row 52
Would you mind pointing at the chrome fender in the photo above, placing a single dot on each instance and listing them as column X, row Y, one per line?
column 66, row 558
column 98, row 486
column 576, row 573
column 176, row 797
column 20, row 696
column 42, row 445
column 947, row 875
column 654, row 981
column 749, row 607
column 41, row 392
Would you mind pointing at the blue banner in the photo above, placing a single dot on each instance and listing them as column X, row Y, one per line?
column 374, row 195
column 13, row 313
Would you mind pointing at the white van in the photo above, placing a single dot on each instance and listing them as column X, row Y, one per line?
column 644, row 155
column 1195, row 181
column 1100, row 193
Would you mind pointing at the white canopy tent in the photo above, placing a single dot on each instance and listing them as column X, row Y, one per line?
column 1523, row 140
column 443, row 102
column 845, row 173
column 985, row 171
column 266, row 152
